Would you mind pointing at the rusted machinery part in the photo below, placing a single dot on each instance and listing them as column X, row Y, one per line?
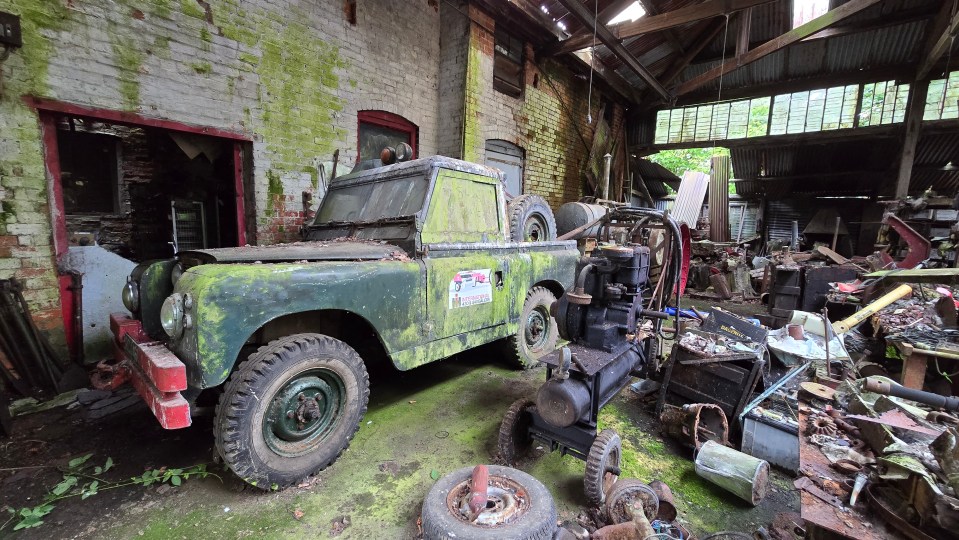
column 822, row 425
column 696, row 423
column 928, row 398
column 479, row 485
column 847, row 466
column 940, row 417
column 892, row 517
column 919, row 245
column 625, row 496
column 667, row 507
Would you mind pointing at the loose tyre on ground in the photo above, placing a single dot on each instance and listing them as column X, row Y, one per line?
column 602, row 466
column 519, row 508
column 514, row 441
column 537, row 334
column 291, row 409
column 530, row 219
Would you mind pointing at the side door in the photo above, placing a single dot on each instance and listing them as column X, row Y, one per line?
column 465, row 279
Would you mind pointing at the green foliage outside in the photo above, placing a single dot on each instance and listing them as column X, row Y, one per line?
column 689, row 159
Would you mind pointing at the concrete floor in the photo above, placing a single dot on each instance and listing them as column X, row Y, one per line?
column 421, row 424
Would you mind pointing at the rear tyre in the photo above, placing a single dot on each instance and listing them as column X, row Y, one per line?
column 537, row 333
column 530, row 219
column 514, row 441
column 291, row 409
column 602, row 466
column 519, row 508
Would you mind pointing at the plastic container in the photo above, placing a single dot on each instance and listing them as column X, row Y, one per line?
column 736, row 472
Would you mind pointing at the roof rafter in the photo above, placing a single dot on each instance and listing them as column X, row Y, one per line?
column 586, row 19
column 585, row 36
column 796, row 34
column 940, row 37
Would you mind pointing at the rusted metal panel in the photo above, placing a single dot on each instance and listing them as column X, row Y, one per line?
column 719, row 199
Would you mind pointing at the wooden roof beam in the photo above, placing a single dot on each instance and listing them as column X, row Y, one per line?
column 796, row 34
column 603, row 34
column 942, row 31
column 613, row 79
column 584, row 38
column 681, row 16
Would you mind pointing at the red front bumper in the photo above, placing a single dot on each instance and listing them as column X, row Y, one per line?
column 153, row 370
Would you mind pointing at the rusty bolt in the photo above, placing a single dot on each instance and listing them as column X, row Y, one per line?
column 301, row 397
column 318, row 398
column 289, row 414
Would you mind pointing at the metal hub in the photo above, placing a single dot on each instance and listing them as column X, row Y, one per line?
column 506, row 502
column 534, row 229
column 537, row 328
column 303, row 412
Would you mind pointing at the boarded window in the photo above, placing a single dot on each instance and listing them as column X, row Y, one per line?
column 89, row 172
column 508, row 64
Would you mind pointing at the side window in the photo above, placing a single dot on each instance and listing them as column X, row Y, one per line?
column 379, row 129
column 508, row 64
column 463, row 208
column 508, row 158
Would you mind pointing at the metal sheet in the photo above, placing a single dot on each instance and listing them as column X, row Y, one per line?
column 719, row 199
column 689, row 199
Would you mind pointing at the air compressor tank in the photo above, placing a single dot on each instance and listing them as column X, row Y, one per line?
column 576, row 214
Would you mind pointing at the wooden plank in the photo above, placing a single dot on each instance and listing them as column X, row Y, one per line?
column 919, row 275
column 832, row 255
column 603, row 34
column 938, row 39
column 800, row 32
column 744, row 20
column 685, row 15
column 913, row 123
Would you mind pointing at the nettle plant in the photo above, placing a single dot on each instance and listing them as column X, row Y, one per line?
column 82, row 478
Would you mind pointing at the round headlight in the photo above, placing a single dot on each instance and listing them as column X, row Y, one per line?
column 171, row 315
column 131, row 296
column 176, row 273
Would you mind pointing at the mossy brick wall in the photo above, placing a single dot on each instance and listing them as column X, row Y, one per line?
column 549, row 120
column 291, row 74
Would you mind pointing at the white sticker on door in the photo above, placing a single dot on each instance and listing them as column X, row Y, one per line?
column 470, row 288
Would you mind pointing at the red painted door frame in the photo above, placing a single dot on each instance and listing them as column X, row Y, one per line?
column 48, row 110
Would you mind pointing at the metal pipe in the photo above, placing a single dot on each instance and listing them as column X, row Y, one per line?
column 794, row 237
column 847, row 324
column 607, row 162
column 928, row 398
column 478, row 486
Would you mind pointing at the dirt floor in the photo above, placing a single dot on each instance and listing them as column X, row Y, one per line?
column 420, row 425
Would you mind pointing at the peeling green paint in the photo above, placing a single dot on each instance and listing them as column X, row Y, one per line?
column 202, row 68
column 274, row 189
column 192, row 9
column 163, row 8
column 129, row 60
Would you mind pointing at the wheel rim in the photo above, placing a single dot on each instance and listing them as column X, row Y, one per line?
column 535, row 229
column 610, row 478
column 303, row 412
column 506, row 502
column 537, row 328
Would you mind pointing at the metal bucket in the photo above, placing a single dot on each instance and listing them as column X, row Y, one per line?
column 736, row 472
column 575, row 214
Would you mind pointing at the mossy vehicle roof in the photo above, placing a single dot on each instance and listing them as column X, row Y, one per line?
column 423, row 166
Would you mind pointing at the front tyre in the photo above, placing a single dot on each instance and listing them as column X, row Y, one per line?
column 291, row 409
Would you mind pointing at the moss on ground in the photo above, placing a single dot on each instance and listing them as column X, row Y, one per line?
column 420, row 425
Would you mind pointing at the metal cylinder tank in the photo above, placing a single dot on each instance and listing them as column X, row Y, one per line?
column 576, row 214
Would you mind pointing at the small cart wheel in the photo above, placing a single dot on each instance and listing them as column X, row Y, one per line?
column 602, row 466
column 514, row 440
column 518, row 507
column 622, row 497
